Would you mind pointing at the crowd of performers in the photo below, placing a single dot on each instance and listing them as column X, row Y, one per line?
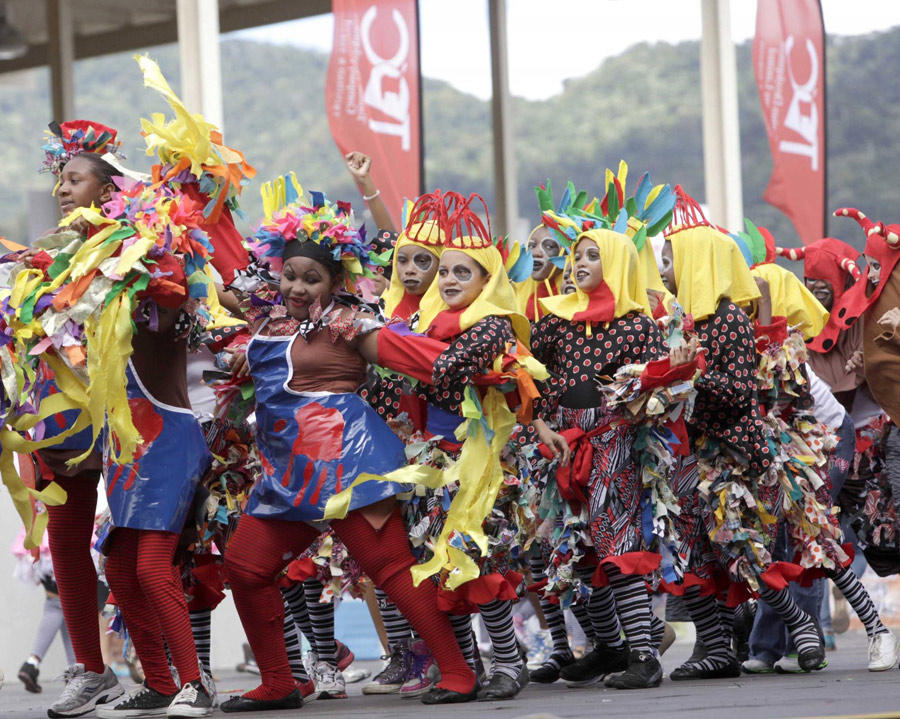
column 455, row 419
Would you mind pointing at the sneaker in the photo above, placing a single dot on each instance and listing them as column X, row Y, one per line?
column 830, row 643
column 790, row 664
column 343, row 655
column 549, row 671
column 502, row 686
column 423, row 671
column 644, row 671
column 329, row 682
column 192, row 701
column 209, row 684
column 756, row 666
column 28, row 675
column 395, row 673
column 85, row 691
column 882, row 652
column 594, row 665
column 145, row 702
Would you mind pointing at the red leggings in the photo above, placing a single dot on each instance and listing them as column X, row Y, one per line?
column 70, row 528
column 261, row 548
column 149, row 592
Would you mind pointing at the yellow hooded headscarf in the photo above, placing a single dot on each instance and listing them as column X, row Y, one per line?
column 497, row 297
column 427, row 235
column 709, row 267
column 791, row 299
column 623, row 275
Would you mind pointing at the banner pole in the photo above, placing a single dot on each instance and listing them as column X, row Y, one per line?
column 826, row 213
column 421, row 129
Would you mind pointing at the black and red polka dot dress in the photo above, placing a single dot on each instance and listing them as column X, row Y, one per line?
column 579, row 361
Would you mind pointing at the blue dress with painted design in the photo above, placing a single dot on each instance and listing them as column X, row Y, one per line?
column 313, row 444
column 155, row 491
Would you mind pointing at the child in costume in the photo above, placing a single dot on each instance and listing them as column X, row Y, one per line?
column 316, row 436
column 74, row 154
column 788, row 314
column 704, row 269
column 585, row 336
column 470, row 320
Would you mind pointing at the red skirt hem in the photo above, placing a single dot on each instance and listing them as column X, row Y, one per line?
column 466, row 598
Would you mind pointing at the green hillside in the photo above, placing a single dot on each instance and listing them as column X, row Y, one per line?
column 643, row 105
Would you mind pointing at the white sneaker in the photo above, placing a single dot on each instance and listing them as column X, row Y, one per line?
column 789, row 665
column 192, row 701
column 882, row 652
column 329, row 682
column 758, row 666
column 85, row 691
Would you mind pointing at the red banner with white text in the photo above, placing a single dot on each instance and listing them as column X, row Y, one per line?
column 789, row 61
column 372, row 92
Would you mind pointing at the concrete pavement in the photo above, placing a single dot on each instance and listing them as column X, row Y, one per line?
column 845, row 688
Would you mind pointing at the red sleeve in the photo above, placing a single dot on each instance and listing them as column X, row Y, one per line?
column 412, row 355
column 659, row 373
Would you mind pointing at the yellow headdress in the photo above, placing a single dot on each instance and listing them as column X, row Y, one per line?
column 623, row 279
column 791, row 299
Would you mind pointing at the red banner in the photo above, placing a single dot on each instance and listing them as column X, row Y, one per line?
column 789, row 60
column 372, row 92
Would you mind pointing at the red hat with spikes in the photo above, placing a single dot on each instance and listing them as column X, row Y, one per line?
column 834, row 262
column 883, row 244
column 466, row 229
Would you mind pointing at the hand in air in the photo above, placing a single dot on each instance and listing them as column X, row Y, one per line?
column 359, row 165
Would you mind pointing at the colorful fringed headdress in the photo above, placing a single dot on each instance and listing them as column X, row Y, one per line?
column 292, row 218
column 70, row 139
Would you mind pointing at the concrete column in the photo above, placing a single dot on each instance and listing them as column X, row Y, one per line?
column 506, row 203
column 721, row 131
column 198, row 46
column 61, row 56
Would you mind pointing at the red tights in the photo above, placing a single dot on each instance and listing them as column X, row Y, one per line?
column 261, row 548
column 148, row 590
column 70, row 528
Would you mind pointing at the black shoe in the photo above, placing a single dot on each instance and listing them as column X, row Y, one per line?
column 813, row 659
column 439, row 695
column 549, row 671
column 644, row 671
column 192, row 701
column 699, row 652
column 503, row 686
column 243, row 704
column 693, row 671
column 144, row 700
column 28, row 674
column 596, row 663
column 742, row 631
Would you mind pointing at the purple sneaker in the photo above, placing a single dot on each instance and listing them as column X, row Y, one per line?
column 395, row 673
column 423, row 673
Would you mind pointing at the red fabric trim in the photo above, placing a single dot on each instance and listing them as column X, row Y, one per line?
column 716, row 584
column 445, row 325
column 298, row 571
column 407, row 306
column 768, row 335
column 210, row 576
column 660, row 373
column 639, row 563
column 601, row 306
column 484, row 589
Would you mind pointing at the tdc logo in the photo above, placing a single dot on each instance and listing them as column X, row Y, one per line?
column 803, row 98
column 394, row 105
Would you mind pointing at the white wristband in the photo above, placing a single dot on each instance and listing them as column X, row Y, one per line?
column 371, row 197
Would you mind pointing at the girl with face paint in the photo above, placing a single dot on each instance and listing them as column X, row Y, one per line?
column 585, row 336
column 709, row 277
